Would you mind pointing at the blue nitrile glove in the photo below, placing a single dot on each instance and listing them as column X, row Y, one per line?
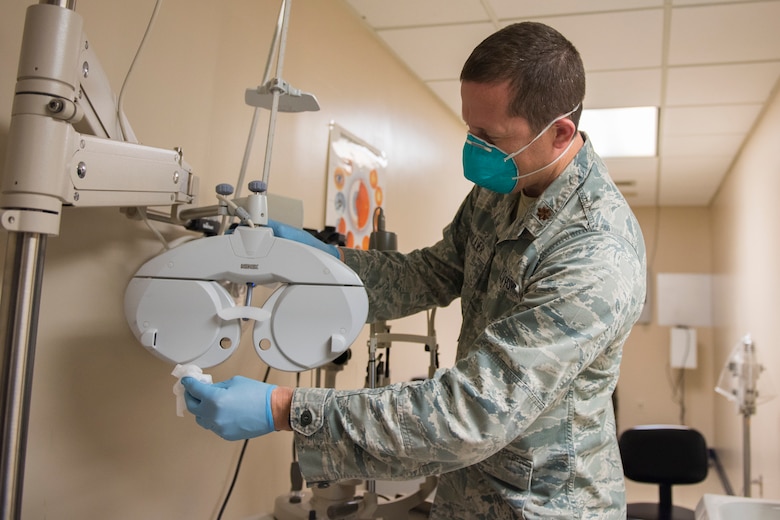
column 239, row 408
column 299, row 235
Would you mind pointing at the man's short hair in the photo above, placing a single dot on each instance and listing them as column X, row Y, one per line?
column 544, row 70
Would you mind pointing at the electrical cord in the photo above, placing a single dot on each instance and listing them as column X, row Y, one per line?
column 161, row 238
column 238, row 464
column 154, row 230
column 120, row 110
column 240, row 212
column 235, row 477
column 121, row 98
column 678, row 390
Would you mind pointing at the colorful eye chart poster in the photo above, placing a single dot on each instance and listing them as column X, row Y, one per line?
column 355, row 190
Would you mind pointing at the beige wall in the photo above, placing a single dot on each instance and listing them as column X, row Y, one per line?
column 104, row 439
column 678, row 240
column 746, row 227
column 735, row 239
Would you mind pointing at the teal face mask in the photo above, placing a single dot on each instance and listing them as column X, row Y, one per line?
column 488, row 166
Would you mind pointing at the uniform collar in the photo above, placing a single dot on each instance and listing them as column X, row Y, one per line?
column 550, row 202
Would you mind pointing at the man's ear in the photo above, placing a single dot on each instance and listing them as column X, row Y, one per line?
column 564, row 133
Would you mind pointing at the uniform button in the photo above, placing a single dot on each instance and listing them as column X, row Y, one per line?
column 306, row 418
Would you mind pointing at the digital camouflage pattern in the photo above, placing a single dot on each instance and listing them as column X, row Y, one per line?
column 522, row 425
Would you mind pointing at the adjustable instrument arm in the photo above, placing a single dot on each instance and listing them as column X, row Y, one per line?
column 66, row 144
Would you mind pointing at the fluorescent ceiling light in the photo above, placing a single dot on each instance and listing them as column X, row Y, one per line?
column 622, row 132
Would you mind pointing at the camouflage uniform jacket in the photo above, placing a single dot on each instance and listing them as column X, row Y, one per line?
column 522, row 425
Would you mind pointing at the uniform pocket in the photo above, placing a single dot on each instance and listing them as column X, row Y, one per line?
column 475, row 268
column 510, row 476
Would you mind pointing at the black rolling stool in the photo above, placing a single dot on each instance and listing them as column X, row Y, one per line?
column 666, row 455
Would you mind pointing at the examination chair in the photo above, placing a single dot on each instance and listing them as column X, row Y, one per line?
column 665, row 455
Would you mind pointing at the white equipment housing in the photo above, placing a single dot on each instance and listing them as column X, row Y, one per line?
column 178, row 310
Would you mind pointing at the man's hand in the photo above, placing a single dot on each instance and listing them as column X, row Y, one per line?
column 304, row 237
column 239, row 408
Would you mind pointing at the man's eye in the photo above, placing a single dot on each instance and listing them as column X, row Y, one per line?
column 485, row 137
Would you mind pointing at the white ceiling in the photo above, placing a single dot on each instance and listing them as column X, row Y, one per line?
column 709, row 65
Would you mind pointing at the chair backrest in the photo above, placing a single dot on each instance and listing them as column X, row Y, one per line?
column 664, row 454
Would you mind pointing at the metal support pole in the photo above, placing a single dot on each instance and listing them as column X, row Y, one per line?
column 269, row 144
column 750, row 370
column 746, row 478
column 20, row 303
column 372, row 348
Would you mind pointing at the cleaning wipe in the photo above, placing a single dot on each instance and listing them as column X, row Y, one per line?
column 180, row 371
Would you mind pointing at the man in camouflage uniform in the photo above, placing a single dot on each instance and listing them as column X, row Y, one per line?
column 549, row 264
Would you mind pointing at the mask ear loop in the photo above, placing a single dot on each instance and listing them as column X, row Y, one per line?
column 571, row 142
column 540, row 134
column 523, row 176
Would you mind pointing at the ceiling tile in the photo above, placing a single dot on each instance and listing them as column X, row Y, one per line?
column 697, row 2
column 639, row 198
column 636, row 178
column 690, row 191
column 601, row 38
column 626, row 88
column 710, row 65
column 532, row 8
column 400, row 13
column 721, row 84
column 707, row 120
column 725, row 33
column 683, row 145
column 435, row 53
column 622, row 168
column 692, row 180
